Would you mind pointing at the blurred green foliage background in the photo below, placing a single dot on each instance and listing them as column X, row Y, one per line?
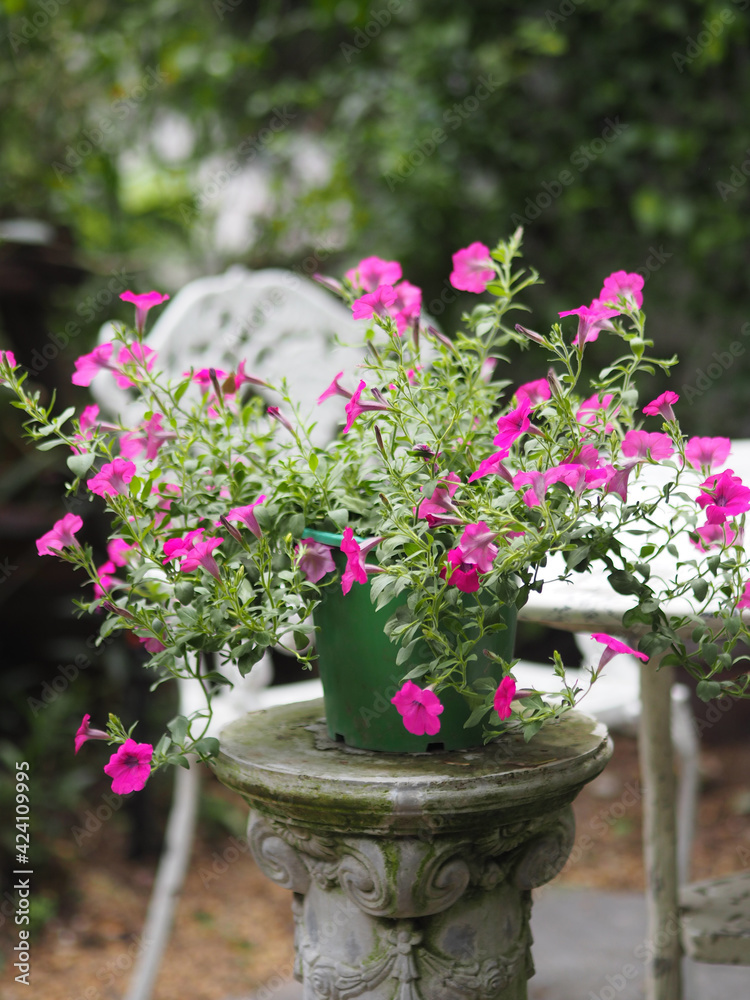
column 162, row 140
column 151, row 130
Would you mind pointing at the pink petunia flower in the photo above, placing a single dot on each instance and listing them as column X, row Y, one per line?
column 203, row 376
column 723, row 496
column 200, row 555
column 592, row 411
column 177, row 548
column 713, row 535
column 112, row 479
column 8, row 358
column 88, row 366
column 356, row 570
column 537, row 391
column 105, row 580
column 707, row 452
column 537, row 483
column 627, row 284
column 334, row 389
column 130, row 767
column 60, row 536
column 89, row 417
column 314, row 559
column 247, row 516
column 572, row 474
column 472, row 268
column 151, row 644
column 466, row 579
column 586, row 454
column 133, row 354
column 377, row 303
column 475, row 547
column 441, row 500
column 240, row 379
column 591, row 320
column 355, row 407
column 150, row 440
column 419, row 708
column 612, row 479
column 662, row 405
column 407, row 305
column 512, row 426
column 612, row 647
column 117, row 549
column 492, row 466
column 142, row 303
column 744, row 601
column 372, row 272
column 504, row 695
column 647, row 447
column 85, row 732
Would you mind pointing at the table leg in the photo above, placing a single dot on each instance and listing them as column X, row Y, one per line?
column 663, row 947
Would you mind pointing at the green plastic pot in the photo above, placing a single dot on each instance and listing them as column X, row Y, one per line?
column 357, row 663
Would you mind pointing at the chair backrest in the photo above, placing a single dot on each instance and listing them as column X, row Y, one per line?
column 282, row 324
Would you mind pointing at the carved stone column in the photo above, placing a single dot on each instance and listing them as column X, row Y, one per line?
column 412, row 874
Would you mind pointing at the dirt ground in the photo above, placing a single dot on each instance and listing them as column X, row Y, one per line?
column 233, row 929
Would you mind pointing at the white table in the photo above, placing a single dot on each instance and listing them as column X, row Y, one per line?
column 590, row 605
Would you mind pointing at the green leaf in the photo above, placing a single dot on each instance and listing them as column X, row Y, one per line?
column 709, row 651
column 184, row 592
column 216, row 678
column 706, row 690
column 636, row 616
column 80, row 464
column 296, row 525
column 312, row 462
column 530, row 729
column 654, row 643
column 208, row 745
column 49, row 445
column 624, row 583
column 178, row 727
column 699, row 588
column 577, row 556
column 476, row 716
column 181, row 390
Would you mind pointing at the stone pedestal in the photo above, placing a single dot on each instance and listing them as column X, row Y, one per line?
column 412, row 874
